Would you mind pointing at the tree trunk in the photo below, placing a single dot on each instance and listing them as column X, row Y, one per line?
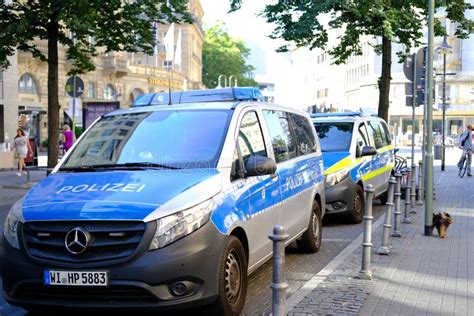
column 384, row 82
column 53, row 101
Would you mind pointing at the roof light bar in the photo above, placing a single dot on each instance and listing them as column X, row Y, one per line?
column 210, row 95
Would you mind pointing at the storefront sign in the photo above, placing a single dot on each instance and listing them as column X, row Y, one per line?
column 161, row 82
column 92, row 110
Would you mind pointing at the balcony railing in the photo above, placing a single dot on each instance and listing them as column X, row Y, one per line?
column 115, row 64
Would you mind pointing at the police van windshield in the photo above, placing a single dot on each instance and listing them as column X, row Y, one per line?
column 334, row 136
column 174, row 139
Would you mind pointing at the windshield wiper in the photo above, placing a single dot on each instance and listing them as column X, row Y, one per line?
column 120, row 166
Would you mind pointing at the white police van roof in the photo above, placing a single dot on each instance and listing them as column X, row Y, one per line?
column 215, row 99
column 341, row 117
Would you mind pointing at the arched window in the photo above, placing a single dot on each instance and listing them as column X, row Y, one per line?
column 134, row 94
column 109, row 92
column 27, row 84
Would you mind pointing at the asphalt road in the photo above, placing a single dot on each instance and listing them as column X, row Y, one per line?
column 299, row 267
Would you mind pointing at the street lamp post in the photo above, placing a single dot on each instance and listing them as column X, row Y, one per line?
column 444, row 49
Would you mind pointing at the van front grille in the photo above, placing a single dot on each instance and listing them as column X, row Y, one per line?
column 110, row 240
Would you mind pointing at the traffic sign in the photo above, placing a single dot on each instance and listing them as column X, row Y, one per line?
column 408, row 67
column 74, row 86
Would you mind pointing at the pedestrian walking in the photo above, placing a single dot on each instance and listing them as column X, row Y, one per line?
column 465, row 143
column 69, row 138
column 23, row 148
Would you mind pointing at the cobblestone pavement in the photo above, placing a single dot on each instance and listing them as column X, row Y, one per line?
column 421, row 276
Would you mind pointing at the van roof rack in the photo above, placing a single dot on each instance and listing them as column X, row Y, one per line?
column 191, row 96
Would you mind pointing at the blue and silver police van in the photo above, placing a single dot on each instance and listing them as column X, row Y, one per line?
column 357, row 150
column 167, row 205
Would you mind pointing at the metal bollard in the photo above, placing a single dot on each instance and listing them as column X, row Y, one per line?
column 365, row 273
column 396, row 232
column 420, row 183
column 384, row 249
column 406, row 217
column 279, row 284
column 413, row 190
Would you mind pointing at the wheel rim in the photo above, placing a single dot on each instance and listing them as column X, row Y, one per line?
column 315, row 228
column 233, row 278
column 357, row 203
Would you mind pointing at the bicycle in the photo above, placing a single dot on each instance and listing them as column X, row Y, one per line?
column 463, row 168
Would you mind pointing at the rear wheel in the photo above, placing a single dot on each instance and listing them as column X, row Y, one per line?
column 358, row 204
column 310, row 241
column 384, row 198
column 232, row 278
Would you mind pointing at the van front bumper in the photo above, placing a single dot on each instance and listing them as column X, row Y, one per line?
column 339, row 197
column 148, row 280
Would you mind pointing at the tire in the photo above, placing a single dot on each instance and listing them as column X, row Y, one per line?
column 310, row 241
column 384, row 197
column 232, row 279
column 358, row 205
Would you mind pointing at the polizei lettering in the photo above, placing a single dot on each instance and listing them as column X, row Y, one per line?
column 107, row 187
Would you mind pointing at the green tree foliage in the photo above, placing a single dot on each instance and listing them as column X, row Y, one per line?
column 305, row 23
column 115, row 25
column 224, row 55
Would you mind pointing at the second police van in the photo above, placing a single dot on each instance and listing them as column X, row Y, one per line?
column 167, row 205
column 357, row 151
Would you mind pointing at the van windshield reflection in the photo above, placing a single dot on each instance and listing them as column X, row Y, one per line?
column 167, row 139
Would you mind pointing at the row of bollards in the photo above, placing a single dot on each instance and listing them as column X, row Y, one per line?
column 413, row 196
column 393, row 207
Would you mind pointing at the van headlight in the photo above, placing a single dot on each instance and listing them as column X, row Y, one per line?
column 336, row 177
column 176, row 226
column 10, row 228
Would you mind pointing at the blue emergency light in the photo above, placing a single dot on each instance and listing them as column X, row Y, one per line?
column 195, row 96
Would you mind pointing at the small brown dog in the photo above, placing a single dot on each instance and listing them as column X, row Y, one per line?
column 442, row 221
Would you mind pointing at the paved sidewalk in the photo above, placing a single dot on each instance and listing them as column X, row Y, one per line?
column 421, row 276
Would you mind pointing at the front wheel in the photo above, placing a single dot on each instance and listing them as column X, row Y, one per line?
column 357, row 213
column 310, row 241
column 232, row 278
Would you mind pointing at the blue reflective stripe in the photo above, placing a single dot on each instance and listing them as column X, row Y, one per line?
column 249, row 198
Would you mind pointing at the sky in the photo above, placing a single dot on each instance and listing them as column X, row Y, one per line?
column 252, row 29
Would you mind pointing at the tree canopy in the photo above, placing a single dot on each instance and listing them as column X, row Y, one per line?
column 307, row 23
column 114, row 25
column 224, row 55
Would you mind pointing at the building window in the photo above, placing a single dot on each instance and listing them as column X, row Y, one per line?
column 27, row 84
column 92, row 90
column 323, row 93
column 167, row 64
column 109, row 92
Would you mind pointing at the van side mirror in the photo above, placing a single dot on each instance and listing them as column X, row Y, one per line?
column 369, row 151
column 259, row 166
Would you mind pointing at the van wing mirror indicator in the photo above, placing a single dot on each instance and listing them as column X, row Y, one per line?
column 259, row 166
column 369, row 151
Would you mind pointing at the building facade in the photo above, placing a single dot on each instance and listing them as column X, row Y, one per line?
column 119, row 77
column 353, row 85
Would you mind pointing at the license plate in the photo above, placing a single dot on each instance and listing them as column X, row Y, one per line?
column 78, row 278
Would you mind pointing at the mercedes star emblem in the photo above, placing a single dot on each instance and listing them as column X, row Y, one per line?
column 77, row 240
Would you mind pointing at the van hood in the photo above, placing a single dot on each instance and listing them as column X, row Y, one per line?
column 334, row 161
column 118, row 195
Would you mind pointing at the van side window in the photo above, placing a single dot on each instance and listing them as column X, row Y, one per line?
column 362, row 139
column 305, row 140
column 250, row 137
column 236, row 171
column 387, row 133
column 282, row 139
column 378, row 135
